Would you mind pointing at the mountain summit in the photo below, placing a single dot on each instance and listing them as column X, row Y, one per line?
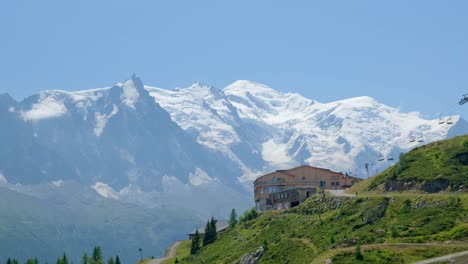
column 136, row 139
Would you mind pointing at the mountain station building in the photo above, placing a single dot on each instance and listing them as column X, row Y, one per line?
column 284, row 189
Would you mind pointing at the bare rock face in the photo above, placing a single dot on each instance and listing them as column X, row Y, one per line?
column 252, row 258
column 432, row 186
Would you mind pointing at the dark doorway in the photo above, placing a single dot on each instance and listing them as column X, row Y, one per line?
column 294, row 204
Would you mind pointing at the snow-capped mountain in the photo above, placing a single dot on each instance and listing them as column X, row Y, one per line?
column 135, row 148
column 119, row 136
column 135, row 139
column 263, row 129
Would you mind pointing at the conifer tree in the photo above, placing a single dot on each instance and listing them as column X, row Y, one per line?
column 97, row 256
column 9, row 261
column 195, row 243
column 207, row 236
column 110, row 260
column 15, row 261
column 233, row 218
column 117, row 259
column 213, row 230
column 64, row 259
column 358, row 253
column 85, row 259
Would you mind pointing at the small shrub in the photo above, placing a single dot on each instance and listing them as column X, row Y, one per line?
column 358, row 254
column 265, row 245
column 395, row 232
column 248, row 215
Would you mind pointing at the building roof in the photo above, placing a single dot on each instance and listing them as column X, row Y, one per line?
column 307, row 166
column 220, row 226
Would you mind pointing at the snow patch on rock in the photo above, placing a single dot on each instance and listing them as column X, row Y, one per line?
column 130, row 94
column 105, row 190
column 102, row 119
column 3, row 179
column 46, row 108
column 57, row 183
column 199, row 177
column 276, row 154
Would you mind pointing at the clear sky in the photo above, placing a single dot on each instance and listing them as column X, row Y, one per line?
column 407, row 54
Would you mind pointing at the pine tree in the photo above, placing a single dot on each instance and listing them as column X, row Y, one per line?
column 176, row 261
column 97, row 256
column 233, row 218
column 195, row 243
column 207, row 236
column 213, row 230
column 110, row 260
column 36, row 261
column 117, row 259
column 9, row 261
column 15, row 261
column 64, row 259
column 85, row 259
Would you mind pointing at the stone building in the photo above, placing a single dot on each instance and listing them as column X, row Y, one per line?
column 288, row 188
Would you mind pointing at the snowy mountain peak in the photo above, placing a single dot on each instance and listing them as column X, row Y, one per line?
column 131, row 91
column 360, row 101
column 243, row 87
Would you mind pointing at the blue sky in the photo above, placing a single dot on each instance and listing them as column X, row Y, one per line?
column 407, row 54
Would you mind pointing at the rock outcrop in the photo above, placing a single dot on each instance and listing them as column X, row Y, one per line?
column 252, row 258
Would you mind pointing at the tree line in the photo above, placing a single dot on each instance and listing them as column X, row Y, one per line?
column 95, row 258
column 210, row 234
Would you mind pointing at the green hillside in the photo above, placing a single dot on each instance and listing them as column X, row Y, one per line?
column 439, row 166
column 395, row 227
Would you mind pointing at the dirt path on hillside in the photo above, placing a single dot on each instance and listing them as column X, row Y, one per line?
column 458, row 260
column 460, row 257
column 169, row 254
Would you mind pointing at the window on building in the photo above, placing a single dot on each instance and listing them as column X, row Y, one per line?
column 303, row 178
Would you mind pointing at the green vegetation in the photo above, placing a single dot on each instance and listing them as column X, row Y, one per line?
column 324, row 224
column 382, row 225
column 182, row 251
column 96, row 258
column 248, row 215
column 195, row 243
column 397, row 227
column 210, row 232
column 233, row 218
column 439, row 166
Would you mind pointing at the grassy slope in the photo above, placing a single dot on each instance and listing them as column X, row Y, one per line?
column 392, row 228
column 445, row 160
column 324, row 226
column 181, row 252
